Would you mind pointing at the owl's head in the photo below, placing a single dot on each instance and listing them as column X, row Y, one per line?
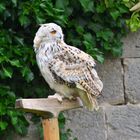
column 49, row 32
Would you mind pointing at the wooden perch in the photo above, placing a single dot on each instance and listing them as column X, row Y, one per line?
column 46, row 107
column 49, row 109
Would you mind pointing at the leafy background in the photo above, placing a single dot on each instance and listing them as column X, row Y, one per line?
column 93, row 26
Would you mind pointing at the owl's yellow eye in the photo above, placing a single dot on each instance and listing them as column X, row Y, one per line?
column 53, row 32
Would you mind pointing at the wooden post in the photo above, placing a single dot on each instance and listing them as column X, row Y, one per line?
column 50, row 129
column 49, row 109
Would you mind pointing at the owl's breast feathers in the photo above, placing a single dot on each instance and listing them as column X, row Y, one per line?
column 74, row 68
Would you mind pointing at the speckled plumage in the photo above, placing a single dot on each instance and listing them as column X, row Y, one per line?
column 67, row 70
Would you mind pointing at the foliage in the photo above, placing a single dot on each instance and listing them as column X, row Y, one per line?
column 93, row 26
column 134, row 21
column 10, row 118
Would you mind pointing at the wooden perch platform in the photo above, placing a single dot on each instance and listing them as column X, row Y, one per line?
column 49, row 107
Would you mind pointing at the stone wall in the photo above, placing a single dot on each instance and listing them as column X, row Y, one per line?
column 119, row 115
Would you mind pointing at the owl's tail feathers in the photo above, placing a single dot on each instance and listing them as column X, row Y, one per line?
column 88, row 100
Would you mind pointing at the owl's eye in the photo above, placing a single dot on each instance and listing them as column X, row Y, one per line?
column 53, row 32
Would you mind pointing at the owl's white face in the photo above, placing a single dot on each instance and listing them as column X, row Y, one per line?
column 49, row 32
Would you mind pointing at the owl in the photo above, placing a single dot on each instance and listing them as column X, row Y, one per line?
column 68, row 70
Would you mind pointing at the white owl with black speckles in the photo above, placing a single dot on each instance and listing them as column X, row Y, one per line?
column 68, row 70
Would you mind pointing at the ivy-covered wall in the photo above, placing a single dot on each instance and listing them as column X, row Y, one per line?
column 93, row 26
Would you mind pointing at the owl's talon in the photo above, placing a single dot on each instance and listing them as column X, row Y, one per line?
column 56, row 96
column 71, row 98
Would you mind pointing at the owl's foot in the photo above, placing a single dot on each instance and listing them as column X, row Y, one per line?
column 56, row 96
column 72, row 98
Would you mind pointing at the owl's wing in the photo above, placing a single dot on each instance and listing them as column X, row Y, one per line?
column 76, row 69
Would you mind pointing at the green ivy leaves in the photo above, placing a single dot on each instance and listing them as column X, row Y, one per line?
column 3, row 125
column 7, row 72
column 88, row 5
column 9, row 116
column 133, row 22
